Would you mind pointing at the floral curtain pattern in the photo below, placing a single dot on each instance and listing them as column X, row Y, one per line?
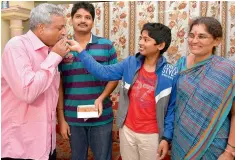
column 145, row 12
column 230, row 34
column 121, row 22
column 177, row 19
column 98, row 28
column 214, row 10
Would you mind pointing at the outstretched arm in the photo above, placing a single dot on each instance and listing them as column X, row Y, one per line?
column 103, row 72
column 110, row 86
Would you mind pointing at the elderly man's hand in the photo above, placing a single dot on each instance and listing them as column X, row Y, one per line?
column 61, row 47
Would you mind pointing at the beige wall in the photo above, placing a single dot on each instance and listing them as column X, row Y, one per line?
column 5, row 24
column 25, row 4
column 5, row 33
column 22, row 4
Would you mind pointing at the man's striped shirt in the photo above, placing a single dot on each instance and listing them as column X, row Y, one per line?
column 82, row 88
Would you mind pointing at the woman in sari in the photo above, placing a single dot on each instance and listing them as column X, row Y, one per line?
column 204, row 125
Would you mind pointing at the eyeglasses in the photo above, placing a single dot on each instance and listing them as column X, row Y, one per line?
column 200, row 37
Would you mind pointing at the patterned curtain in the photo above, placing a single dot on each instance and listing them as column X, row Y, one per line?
column 122, row 21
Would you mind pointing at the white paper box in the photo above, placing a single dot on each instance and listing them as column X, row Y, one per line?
column 87, row 111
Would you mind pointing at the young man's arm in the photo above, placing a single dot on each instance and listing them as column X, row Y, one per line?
column 111, row 72
column 63, row 125
column 168, row 122
column 170, row 113
column 111, row 85
column 107, row 91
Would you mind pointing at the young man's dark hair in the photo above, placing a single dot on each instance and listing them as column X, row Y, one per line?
column 94, row 133
column 160, row 33
column 85, row 5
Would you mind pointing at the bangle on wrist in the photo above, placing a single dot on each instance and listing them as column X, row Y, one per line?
column 231, row 146
column 230, row 152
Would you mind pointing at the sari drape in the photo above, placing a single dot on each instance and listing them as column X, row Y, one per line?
column 205, row 94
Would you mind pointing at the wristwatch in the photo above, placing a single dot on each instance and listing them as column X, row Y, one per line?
column 166, row 139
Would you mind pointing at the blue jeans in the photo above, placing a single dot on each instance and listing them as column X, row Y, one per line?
column 99, row 138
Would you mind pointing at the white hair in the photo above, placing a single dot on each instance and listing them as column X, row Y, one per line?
column 42, row 14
